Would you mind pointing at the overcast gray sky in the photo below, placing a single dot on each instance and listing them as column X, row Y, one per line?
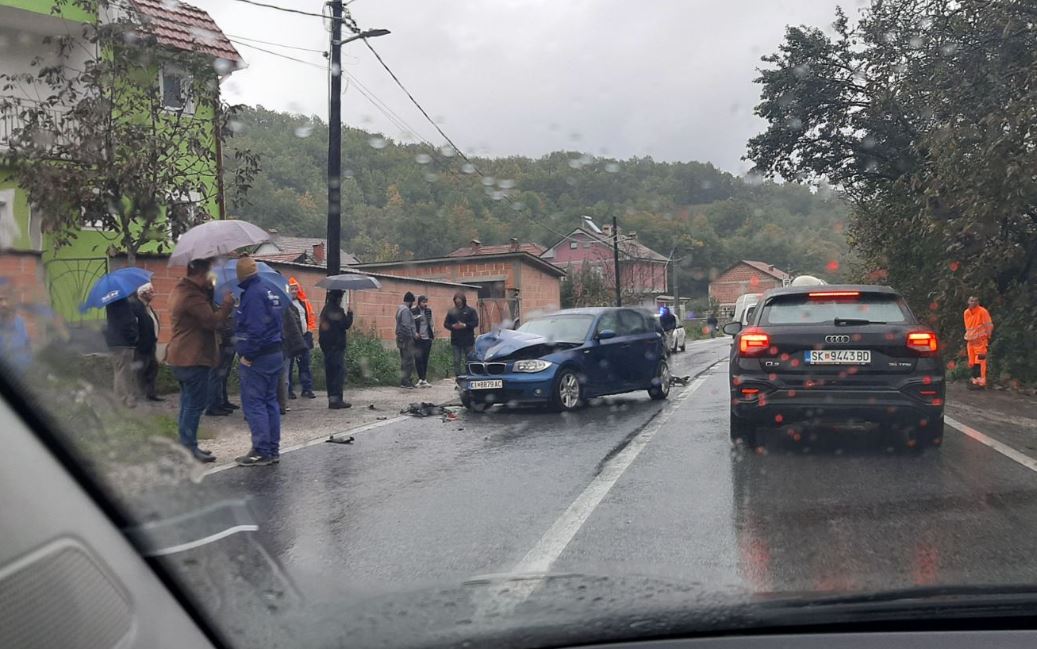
column 666, row 78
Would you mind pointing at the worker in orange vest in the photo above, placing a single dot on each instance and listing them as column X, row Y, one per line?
column 978, row 328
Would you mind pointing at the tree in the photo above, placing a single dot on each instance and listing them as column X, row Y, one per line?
column 922, row 113
column 99, row 144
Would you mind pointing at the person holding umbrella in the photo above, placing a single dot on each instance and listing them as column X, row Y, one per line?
column 258, row 329
column 192, row 350
column 331, row 336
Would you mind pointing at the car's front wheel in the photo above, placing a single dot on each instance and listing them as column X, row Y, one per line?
column 660, row 388
column 568, row 392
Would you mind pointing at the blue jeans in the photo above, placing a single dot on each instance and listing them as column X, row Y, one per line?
column 194, row 396
column 259, row 402
column 303, row 362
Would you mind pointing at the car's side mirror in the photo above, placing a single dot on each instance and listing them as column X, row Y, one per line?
column 749, row 313
column 731, row 328
column 605, row 334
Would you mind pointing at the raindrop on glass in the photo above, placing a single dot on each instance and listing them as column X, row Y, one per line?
column 423, row 158
column 336, row 70
column 915, row 42
column 446, row 151
column 431, row 177
column 468, row 168
column 488, row 181
column 303, row 131
column 222, row 66
column 170, row 5
column 235, row 126
column 611, row 167
column 506, row 183
column 377, row 142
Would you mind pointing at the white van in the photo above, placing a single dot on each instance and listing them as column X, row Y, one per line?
column 743, row 306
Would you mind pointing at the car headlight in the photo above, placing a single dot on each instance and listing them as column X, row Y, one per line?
column 531, row 366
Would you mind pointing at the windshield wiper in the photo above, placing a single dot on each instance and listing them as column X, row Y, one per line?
column 852, row 322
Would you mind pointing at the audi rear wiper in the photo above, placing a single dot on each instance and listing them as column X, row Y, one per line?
column 849, row 322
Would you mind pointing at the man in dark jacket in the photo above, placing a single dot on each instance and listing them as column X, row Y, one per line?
column 426, row 334
column 122, row 334
column 331, row 336
column 406, row 339
column 258, row 327
column 461, row 322
column 147, row 341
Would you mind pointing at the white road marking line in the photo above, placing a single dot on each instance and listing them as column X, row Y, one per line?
column 1009, row 452
column 315, row 441
column 197, row 543
column 502, row 598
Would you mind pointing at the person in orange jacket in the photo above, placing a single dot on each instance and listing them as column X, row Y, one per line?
column 978, row 329
column 308, row 324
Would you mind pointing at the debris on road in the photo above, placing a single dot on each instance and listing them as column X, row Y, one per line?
column 680, row 380
column 348, row 439
column 424, row 409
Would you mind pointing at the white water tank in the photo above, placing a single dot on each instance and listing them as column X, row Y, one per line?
column 807, row 280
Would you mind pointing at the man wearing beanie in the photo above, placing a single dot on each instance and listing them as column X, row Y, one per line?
column 406, row 340
column 259, row 345
column 192, row 349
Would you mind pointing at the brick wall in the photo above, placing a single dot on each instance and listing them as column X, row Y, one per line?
column 375, row 310
column 540, row 291
column 23, row 281
column 739, row 280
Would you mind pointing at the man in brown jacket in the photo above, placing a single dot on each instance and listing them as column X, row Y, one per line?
column 193, row 350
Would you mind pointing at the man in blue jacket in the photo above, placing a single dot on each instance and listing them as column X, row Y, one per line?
column 258, row 328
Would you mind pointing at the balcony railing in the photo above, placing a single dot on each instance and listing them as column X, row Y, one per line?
column 11, row 121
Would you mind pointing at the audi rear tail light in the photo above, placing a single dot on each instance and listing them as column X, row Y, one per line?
column 922, row 341
column 753, row 341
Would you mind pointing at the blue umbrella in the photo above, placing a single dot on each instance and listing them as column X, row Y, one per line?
column 116, row 285
column 227, row 280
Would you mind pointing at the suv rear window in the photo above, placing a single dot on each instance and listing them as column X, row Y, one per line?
column 803, row 309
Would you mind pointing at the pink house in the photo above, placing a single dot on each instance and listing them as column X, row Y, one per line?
column 643, row 271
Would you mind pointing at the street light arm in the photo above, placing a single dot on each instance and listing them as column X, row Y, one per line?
column 370, row 33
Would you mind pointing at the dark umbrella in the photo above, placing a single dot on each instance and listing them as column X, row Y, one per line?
column 116, row 285
column 349, row 282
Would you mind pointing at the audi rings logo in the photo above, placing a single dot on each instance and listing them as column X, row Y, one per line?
column 837, row 339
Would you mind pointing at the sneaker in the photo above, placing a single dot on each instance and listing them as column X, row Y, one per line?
column 230, row 406
column 407, row 385
column 340, row 405
column 309, row 394
column 203, row 457
column 254, row 459
column 291, row 395
column 204, row 451
column 284, row 411
column 217, row 412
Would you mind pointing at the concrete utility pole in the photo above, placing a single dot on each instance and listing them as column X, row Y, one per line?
column 615, row 260
column 335, row 135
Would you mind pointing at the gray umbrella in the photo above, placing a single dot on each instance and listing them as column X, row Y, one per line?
column 216, row 238
column 349, row 282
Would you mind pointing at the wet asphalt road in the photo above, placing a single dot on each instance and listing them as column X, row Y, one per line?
column 425, row 503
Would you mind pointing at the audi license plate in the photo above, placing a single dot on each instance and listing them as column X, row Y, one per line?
column 838, row 357
column 496, row 384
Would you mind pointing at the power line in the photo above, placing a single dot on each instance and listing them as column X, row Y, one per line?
column 280, row 54
column 300, row 12
column 291, row 47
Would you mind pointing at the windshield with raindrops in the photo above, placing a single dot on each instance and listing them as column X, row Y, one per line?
column 405, row 324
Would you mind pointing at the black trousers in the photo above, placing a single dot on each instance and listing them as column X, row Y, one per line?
column 421, row 354
column 334, row 373
column 147, row 371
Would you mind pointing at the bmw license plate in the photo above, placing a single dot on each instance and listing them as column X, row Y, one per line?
column 838, row 357
column 495, row 384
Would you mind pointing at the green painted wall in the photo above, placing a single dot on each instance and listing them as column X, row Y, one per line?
column 69, row 12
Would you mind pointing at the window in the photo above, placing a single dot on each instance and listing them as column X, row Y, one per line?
column 631, row 323
column 175, row 86
column 608, row 321
column 573, row 245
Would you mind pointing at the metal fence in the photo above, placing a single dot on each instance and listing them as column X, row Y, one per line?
column 69, row 281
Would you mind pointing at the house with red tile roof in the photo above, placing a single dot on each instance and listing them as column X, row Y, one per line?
column 743, row 277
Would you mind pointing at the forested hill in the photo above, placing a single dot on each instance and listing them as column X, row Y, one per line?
column 407, row 200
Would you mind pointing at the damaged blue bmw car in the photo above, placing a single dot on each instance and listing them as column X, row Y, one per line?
column 564, row 358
